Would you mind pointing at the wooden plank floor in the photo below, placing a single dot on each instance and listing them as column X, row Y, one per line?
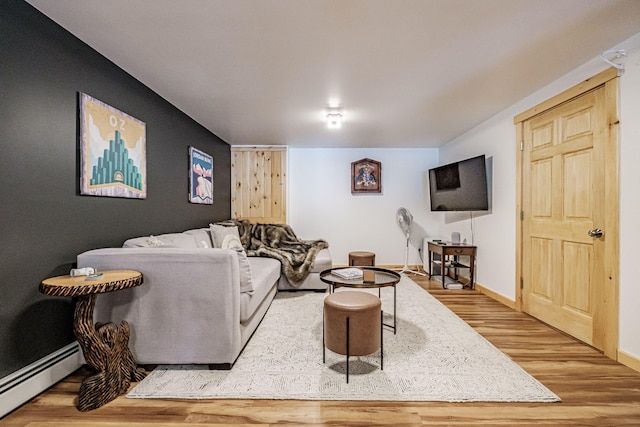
column 594, row 390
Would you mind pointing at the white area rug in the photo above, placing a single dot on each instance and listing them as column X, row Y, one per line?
column 435, row 356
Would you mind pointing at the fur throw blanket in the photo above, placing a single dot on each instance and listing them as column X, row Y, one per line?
column 280, row 242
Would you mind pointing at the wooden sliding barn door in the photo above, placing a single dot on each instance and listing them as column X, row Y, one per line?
column 258, row 184
column 569, row 227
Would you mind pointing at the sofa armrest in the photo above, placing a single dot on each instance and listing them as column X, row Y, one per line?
column 187, row 309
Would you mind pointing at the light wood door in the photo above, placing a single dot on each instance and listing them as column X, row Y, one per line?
column 258, row 184
column 567, row 273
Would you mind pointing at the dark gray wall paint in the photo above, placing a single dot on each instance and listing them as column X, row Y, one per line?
column 44, row 222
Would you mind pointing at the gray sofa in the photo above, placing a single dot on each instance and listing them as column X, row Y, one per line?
column 197, row 304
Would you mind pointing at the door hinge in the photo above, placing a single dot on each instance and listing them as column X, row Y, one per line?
column 522, row 145
column 521, row 215
column 521, row 283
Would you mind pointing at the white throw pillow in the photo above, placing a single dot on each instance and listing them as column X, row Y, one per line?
column 231, row 241
column 220, row 232
column 229, row 238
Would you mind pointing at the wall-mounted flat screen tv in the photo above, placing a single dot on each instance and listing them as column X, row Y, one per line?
column 459, row 186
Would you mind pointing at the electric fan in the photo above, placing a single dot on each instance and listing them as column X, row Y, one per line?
column 404, row 220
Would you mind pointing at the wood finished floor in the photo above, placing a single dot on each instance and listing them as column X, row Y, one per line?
column 594, row 390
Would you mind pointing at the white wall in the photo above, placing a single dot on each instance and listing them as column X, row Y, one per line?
column 630, row 204
column 321, row 204
column 495, row 233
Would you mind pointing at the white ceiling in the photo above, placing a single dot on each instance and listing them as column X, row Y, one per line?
column 408, row 73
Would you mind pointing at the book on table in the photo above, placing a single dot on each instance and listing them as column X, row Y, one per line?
column 348, row 273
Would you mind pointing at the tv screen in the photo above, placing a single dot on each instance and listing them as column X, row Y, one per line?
column 459, row 186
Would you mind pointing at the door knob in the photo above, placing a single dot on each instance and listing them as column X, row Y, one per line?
column 596, row 232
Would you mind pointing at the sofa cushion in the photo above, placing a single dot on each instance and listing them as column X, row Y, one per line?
column 224, row 237
column 264, row 274
column 312, row 281
column 322, row 262
column 246, row 279
column 228, row 238
column 202, row 236
column 170, row 240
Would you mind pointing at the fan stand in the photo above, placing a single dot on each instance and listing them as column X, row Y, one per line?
column 406, row 268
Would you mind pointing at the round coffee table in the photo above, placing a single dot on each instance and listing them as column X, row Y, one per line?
column 382, row 278
column 106, row 345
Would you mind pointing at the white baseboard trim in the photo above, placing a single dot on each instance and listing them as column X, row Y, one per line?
column 496, row 296
column 28, row 382
column 629, row 360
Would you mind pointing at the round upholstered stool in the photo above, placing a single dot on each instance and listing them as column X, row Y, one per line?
column 362, row 259
column 352, row 325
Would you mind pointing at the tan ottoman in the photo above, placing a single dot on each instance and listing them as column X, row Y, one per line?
column 352, row 325
column 362, row 259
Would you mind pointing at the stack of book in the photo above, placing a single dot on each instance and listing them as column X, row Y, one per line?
column 348, row 273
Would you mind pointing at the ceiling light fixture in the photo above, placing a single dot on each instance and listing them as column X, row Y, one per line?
column 334, row 120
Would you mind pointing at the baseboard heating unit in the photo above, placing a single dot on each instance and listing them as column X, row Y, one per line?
column 21, row 386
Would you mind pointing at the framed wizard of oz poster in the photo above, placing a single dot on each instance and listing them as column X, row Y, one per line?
column 112, row 150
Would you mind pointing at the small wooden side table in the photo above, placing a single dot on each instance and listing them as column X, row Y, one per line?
column 362, row 259
column 105, row 345
column 453, row 250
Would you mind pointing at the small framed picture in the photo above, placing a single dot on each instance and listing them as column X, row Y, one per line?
column 200, row 177
column 366, row 176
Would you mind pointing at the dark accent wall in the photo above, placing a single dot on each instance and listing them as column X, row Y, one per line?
column 44, row 222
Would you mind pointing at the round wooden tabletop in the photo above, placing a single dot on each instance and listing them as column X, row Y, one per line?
column 112, row 280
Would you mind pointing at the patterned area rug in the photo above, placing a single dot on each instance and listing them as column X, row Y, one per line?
column 435, row 356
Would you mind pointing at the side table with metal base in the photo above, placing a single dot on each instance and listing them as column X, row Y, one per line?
column 382, row 278
column 106, row 345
